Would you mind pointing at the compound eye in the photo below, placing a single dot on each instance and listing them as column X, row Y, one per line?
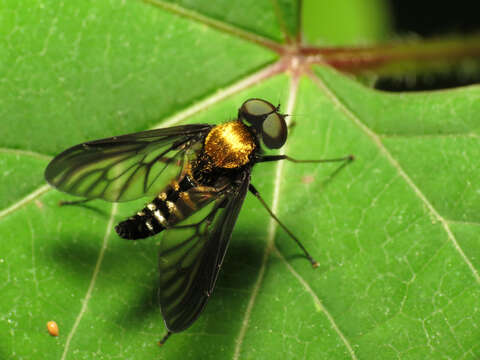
column 274, row 131
column 257, row 107
column 255, row 110
column 266, row 120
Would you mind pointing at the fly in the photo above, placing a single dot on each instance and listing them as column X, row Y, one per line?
column 187, row 169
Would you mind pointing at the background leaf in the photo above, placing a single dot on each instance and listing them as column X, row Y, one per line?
column 396, row 232
column 345, row 22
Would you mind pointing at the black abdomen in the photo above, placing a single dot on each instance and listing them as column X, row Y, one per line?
column 143, row 224
column 168, row 208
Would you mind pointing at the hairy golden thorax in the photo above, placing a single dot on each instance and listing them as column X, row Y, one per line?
column 229, row 145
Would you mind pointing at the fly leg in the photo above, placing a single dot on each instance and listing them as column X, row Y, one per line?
column 76, row 202
column 346, row 159
column 254, row 191
column 267, row 158
column 344, row 162
column 81, row 203
column 164, row 338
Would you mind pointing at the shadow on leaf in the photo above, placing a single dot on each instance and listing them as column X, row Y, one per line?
column 238, row 274
column 131, row 269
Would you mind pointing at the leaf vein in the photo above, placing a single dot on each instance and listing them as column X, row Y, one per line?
column 319, row 304
column 255, row 78
column 96, row 270
column 396, row 165
column 26, row 153
column 271, row 233
column 216, row 24
column 30, row 197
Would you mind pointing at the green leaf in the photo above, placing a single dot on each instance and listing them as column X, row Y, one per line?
column 395, row 232
column 345, row 22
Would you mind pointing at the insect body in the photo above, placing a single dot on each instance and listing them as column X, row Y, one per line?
column 210, row 167
column 227, row 149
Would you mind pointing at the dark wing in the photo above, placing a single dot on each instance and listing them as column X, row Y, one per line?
column 124, row 167
column 191, row 259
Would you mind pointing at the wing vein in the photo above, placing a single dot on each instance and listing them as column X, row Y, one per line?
column 123, row 168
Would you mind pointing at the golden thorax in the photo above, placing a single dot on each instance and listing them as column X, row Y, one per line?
column 229, row 145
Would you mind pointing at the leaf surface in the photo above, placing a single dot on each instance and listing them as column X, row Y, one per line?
column 395, row 232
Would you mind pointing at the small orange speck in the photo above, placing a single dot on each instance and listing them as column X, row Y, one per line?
column 308, row 179
column 52, row 328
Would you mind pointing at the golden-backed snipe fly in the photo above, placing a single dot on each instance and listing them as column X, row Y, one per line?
column 186, row 168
